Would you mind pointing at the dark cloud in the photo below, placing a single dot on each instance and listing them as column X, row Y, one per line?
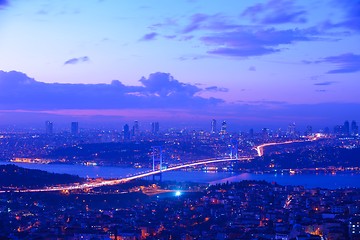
column 215, row 22
column 149, row 36
column 351, row 15
column 77, row 60
column 159, row 90
column 247, row 42
column 195, row 22
column 243, row 52
column 216, row 89
column 230, row 38
column 164, row 85
column 324, row 83
column 160, row 95
column 346, row 63
column 263, row 102
column 276, row 12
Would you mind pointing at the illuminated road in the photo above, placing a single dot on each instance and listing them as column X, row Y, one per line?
column 100, row 183
column 128, row 178
column 260, row 149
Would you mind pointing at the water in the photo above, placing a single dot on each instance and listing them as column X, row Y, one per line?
column 81, row 170
column 308, row 180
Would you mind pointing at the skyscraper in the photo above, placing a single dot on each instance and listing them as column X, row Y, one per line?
column 213, row 126
column 49, row 127
column 126, row 132
column 223, row 127
column 155, row 127
column 75, row 128
column 291, row 129
column 136, row 130
column 354, row 128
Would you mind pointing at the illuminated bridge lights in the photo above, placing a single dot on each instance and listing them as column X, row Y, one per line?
column 77, row 186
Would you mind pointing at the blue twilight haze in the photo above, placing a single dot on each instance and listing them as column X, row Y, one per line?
column 253, row 63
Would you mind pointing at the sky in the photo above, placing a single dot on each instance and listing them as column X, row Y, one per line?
column 184, row 62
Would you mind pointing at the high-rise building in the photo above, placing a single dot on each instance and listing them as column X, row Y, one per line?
column 223, row 127
column 291, row 129
column 155, row 127
column 49, row 127
column 126, row 132
column 265, row 133
column 136, row 130
column 346, row 128
column 75, row 128
column 213, row 126
column 354, row 128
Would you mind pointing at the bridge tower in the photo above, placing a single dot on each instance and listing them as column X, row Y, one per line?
column 234, row 144
column 157, row 159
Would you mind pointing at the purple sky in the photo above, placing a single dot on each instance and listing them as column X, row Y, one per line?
column 252, row 63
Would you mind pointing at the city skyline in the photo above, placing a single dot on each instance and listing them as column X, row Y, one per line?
column 260, row 64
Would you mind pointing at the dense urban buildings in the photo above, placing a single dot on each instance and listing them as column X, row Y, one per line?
column 74, row 128
column 93, row 208
column 182, row 120
column 49, row 127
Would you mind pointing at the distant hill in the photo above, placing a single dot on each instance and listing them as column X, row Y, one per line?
column 14, row 176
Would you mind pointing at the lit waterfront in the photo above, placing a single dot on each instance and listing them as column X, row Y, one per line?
column 309, row 180
column 107, row 182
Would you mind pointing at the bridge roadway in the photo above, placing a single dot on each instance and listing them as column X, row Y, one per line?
column 259, row 149
column 128, row 178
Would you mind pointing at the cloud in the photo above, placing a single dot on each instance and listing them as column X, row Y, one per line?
column 160, row 96
column 252, row 68
column 230, row 38
column 245, row 42
column 351, row 16
column 264, row 103
column 163, row 84
column 195, row 22
column 275, row 12
column 168, row 22
column 347, row 63
column 215, row 22
column 159, row 90
column 216, row 89
column 324, row 83
column 149, row 36
column 77, row 60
